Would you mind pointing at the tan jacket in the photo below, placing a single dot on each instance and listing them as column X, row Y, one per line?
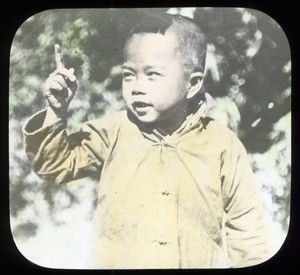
column 188, row 200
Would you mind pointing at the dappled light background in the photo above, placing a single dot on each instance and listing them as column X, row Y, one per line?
column 248, row 73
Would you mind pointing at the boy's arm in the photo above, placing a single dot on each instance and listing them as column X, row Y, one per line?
column 55, row 155
column 245, row 224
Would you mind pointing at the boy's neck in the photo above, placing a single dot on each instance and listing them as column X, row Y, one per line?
column 167, row 128
column 173, row 120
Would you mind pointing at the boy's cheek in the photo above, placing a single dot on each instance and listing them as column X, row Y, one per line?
column 125, row 91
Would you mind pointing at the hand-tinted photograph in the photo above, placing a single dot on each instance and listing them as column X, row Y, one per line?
column 151, row 138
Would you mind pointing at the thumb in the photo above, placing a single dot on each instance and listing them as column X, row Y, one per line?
column 72, row 77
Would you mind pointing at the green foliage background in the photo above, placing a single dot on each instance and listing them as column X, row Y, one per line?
column 248, row 74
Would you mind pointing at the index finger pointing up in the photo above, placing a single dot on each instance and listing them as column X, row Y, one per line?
column 59, row 60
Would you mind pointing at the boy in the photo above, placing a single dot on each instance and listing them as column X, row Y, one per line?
column 176, row 188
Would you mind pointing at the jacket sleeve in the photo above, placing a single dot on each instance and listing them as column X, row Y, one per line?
column 60, row 157
column 245, row 225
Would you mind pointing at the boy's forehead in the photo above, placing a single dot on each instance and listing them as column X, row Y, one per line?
column 151, row 44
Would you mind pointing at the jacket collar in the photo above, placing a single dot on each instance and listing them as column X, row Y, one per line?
column 194, row 120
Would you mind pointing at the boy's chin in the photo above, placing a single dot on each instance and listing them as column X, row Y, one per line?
column 145, row 117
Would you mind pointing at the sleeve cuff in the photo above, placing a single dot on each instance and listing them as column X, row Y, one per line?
column 35, row 124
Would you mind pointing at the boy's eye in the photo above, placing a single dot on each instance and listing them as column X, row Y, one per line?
column 153, row 75
column 127, row 75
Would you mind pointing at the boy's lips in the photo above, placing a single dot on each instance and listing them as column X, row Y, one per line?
column 140, row 105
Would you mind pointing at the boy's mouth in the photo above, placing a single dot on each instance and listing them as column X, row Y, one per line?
column 140, row 105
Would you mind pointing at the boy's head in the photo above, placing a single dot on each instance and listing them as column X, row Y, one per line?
column 163, row 69
column 191, row 39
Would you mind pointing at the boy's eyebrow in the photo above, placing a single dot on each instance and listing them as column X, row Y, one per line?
column 154, row 67
column 148, row 67
column 126, row 66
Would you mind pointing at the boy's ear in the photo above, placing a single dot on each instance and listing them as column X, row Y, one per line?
column 195, row 84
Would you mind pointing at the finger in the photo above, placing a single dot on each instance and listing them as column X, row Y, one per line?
column 59, row 60
column 67, row 73
column 53, row 86
column 60, row 80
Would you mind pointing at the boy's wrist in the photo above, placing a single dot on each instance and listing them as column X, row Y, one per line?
column 52, row 116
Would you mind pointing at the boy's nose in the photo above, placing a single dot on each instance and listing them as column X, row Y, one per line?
column 138, row 88
column 137, row 92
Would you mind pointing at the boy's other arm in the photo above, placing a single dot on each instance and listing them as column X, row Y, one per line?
column 245, row 225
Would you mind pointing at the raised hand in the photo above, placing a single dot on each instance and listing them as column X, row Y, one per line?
column 61, row 85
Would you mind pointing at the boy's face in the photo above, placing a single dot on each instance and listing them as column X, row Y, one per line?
column 154, row 82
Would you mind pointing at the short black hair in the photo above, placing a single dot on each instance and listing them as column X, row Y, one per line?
column 192, row 40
